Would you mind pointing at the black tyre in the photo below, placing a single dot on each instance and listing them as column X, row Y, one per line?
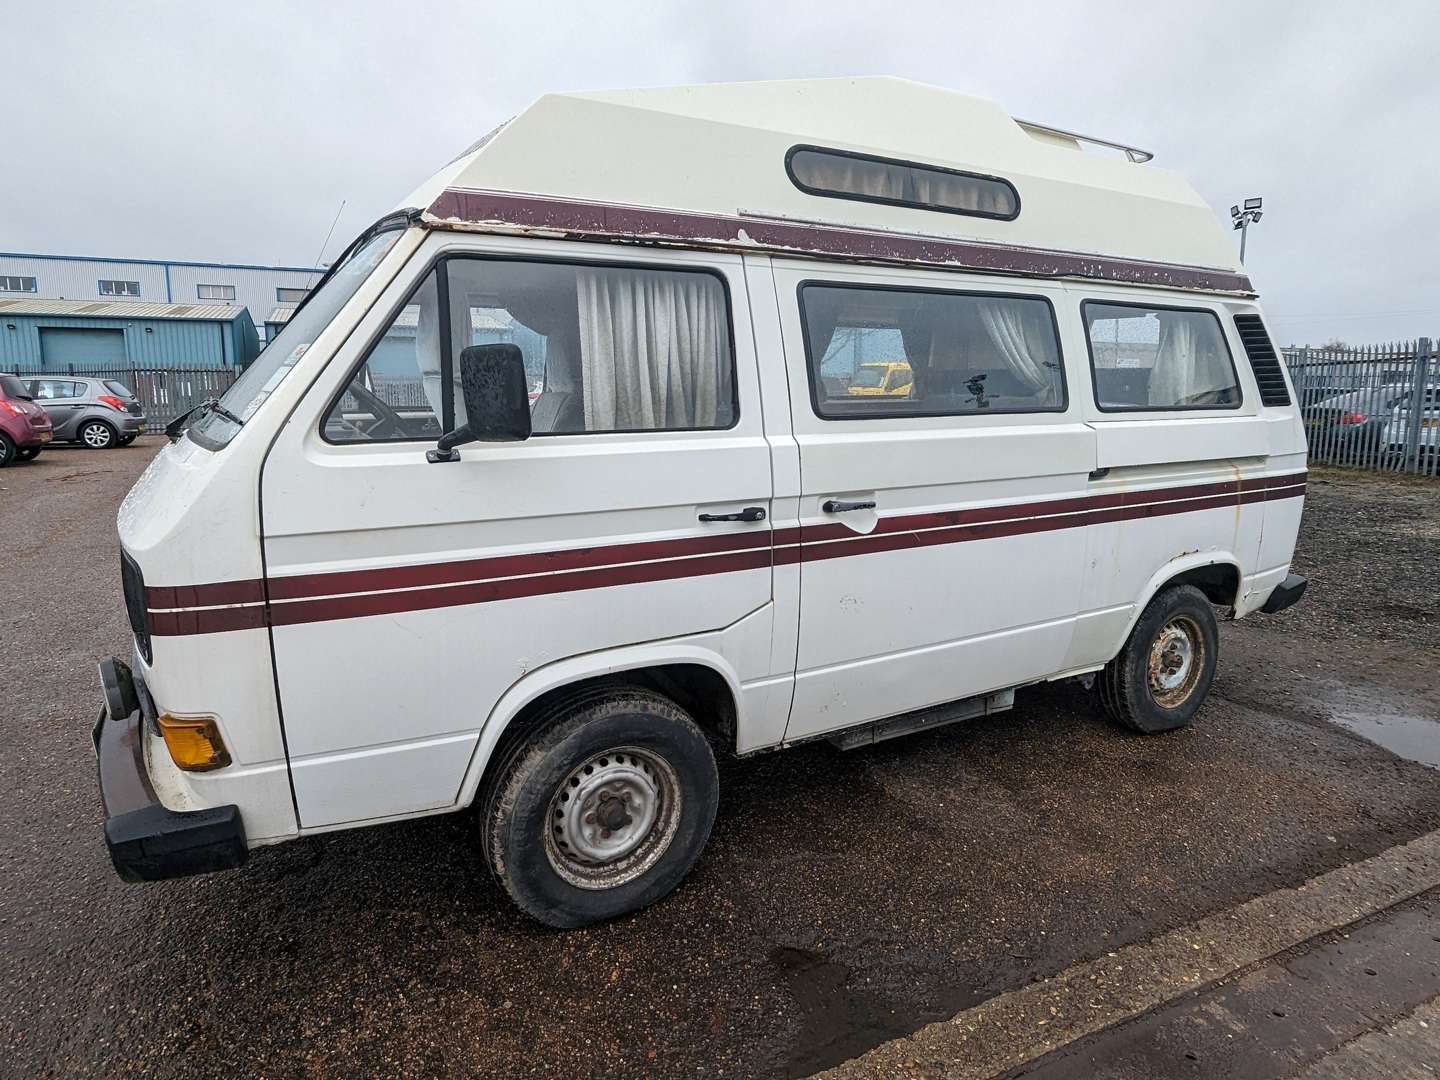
column 126, row 440
column 27, row 453
column 1164, row 671
column 97, row 435
column 601, row 808
column 7, row 450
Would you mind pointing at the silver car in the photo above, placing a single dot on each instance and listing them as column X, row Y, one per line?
column 1398, row 427
column 98, row 413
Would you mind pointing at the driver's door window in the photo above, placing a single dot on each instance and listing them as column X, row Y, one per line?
column 395, row 394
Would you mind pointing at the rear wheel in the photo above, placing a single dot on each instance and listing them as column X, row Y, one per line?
column 1164, row 672
column 601, row 809
column 126, row 440
column 7, row 450
column 27, row 453
column 97, row 434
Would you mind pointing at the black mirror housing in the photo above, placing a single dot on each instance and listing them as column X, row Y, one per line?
column 497, row 399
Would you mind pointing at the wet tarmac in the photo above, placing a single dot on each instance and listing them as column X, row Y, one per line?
column 844, row 898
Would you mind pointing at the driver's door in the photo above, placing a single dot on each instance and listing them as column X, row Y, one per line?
column 406, row 597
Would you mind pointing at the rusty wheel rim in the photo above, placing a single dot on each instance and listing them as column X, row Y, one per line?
column 613, row 818
column 1177, row 657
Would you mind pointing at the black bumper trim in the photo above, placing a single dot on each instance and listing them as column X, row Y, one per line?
column 147, row 840
column 1287, row 593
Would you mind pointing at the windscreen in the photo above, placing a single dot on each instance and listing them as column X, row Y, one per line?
column 215, row 429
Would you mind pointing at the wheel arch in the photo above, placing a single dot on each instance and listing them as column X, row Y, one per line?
column 1215, row 573
column 699, row 680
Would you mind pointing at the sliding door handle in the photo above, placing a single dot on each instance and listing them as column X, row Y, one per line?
column 750, row 513
column 839, row 506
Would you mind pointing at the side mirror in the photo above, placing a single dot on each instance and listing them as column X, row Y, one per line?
column 497, row 400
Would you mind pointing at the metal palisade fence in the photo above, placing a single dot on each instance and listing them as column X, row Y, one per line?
column 164, row 392
column 1371, row 407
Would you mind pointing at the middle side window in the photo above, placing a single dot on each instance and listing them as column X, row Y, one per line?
column 876, row 352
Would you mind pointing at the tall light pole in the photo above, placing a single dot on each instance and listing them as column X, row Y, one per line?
column 1243, row 218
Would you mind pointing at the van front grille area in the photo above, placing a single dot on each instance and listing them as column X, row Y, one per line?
column 1263, row 360
column 134, row 585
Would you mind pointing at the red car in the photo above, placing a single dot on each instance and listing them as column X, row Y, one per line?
column 24, row 426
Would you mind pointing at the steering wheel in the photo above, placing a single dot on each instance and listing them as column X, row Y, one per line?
column 387, row 424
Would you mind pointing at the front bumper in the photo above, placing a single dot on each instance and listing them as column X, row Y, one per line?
column 1285, row 594
column 147, row 840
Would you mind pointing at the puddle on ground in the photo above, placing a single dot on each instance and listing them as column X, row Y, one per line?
column 1415, row 738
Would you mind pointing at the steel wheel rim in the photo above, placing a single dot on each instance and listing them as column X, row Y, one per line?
column 612, row 818
column 96, row 436
column 1177, row 657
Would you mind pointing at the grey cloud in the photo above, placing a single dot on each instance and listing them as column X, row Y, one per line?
column 170, row 131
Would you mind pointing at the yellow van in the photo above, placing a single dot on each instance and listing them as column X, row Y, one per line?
column 876, row 377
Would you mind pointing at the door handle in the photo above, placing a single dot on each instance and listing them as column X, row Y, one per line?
column 750, row 513
column 840, row 506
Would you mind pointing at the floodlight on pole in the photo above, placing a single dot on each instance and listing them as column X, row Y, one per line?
column 1243, row 219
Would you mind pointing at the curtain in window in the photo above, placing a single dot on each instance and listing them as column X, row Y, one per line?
column 1024, row 338
column 831, row 172
column 1190, row 365
column 958, row 192
column 654, row 352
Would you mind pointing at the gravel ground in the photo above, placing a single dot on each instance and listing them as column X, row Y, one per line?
column 844, row 898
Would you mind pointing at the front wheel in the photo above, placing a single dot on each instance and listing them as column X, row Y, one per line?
column 1164, row 672
column 126, row 440
column 602, row 809
column 27, row 453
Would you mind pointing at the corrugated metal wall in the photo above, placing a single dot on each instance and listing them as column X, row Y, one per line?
column 79, row 279
column 148, row 342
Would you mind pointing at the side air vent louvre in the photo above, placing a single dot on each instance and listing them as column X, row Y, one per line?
column 1263, row 360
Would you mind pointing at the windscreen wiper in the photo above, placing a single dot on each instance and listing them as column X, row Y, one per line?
column 175, row 428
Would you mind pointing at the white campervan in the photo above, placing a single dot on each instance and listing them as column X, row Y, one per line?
column 577, row 467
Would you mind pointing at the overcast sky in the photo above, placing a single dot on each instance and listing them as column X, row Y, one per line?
column 232, row 133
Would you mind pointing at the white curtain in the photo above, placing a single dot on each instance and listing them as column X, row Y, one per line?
column 1190, row 363
column 1023, row 336
column 833, row 173
column 653, row 349
column 959, row 192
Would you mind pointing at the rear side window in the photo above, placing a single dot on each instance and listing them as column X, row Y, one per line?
column 118, row 388
column 50, row 389
column 1146, row 358
column 878, row 352
column 606, row 349
column 866, row 178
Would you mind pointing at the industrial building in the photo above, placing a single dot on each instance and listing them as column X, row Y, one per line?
column 154, row 281
column 79, row 335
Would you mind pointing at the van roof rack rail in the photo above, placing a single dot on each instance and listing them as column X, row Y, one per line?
column 1134, row 153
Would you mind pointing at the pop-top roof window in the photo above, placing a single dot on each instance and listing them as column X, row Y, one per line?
column 843, row 175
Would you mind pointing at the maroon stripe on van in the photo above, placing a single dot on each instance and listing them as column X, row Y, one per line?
column 648, row 225
column 206, row 620
column 896, row 539
column 354, row 594
column 482, row 592
column 251, row 591
column 301, row 586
